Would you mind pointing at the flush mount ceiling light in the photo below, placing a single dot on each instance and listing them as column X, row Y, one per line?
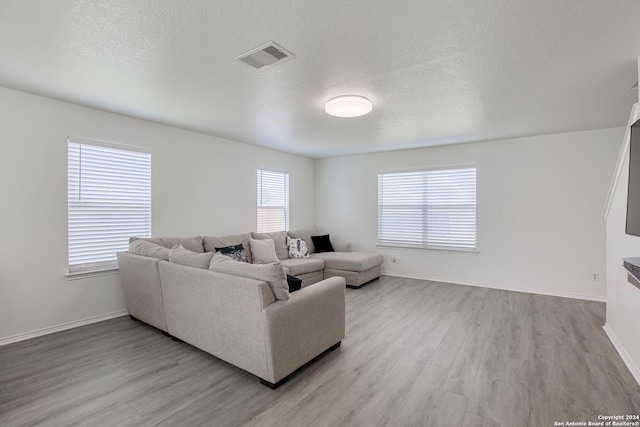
column 348, row 106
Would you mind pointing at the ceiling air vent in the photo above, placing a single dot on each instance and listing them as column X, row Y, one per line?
column 267, row 54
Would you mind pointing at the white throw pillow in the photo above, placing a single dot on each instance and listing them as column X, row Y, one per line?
column 272, row 273
column 297, row 248
column 263, row 251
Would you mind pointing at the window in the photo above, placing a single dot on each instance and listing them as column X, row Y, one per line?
column 432, row 209
column 273, row 201
column 109, row 200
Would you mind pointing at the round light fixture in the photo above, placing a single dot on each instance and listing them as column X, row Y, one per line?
column 348, row 106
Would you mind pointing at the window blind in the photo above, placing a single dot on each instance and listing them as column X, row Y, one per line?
column 273, row 201
column 109, row 200
column 433, row 209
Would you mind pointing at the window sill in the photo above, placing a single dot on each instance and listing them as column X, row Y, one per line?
column 442, row 249
column 75, row 275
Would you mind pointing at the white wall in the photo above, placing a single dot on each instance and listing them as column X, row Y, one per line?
column 623, row 299
column 201, row 185
column 540, row 202
column 539, row 206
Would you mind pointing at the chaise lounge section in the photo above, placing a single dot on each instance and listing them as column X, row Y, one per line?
column 357, row 268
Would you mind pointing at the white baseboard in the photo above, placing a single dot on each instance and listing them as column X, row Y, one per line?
column 504, row 288
column 62, row 327
column 633, row 368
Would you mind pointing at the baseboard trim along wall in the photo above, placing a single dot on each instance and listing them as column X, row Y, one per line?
column 63, row 327
column 635, row 371
column 504, row 288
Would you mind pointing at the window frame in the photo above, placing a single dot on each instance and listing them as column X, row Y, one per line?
column 424, row 243
column 260, row 172
column 101, row 266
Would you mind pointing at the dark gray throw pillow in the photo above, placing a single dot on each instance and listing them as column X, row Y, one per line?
column 235, row 252
column 294, row 283
column 322, row 243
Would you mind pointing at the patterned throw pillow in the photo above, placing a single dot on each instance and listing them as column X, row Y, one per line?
column 235, row 252
column 297, row 248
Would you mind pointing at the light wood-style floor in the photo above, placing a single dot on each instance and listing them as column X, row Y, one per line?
column 416, row 353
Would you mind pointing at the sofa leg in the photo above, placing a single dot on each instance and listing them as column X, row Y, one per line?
column 134, row 318
column 336, row 345
column 273, row 386
column 175, row 339
column 361, row 285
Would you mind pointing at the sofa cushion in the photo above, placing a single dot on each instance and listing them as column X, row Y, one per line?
column 272, row 273
column 322, row 243
column 193, row 244
column 305, row 233
column 212, row 242
column 279, row 239
column 148, row 249
column 297, row 248
column 236, row 252
column 349, row 261
column 263, row 251
column 183, row 256
column 301, row 266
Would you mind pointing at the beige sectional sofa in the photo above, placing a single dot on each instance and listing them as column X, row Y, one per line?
column 240, row 312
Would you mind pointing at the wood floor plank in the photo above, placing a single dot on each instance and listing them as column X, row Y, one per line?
column 420, row 400
column 610, row 387
column 446, row 353
column 93, row 415
column 471, row 420
column 464, row 372
column 450, row 411
column 416, row 353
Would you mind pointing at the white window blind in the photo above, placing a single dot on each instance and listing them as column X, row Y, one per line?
column 109, row 200
column 433, row 209
column 273, row 201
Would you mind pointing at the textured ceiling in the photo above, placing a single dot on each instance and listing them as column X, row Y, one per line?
column 437, row 71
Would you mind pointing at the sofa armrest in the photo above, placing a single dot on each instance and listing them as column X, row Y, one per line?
column 341, row 246
column 142, row 290
column 303, row 327
column 219, row 313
